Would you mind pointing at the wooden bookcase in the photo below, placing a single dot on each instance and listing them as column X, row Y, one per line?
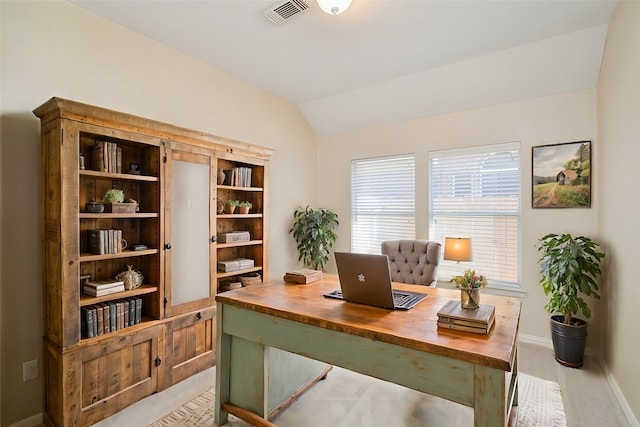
column 87, row 378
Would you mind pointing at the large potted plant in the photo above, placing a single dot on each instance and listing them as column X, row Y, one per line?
column 313, row 231
column 570, row 267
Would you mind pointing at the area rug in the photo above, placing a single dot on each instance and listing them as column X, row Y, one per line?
column 540, row 405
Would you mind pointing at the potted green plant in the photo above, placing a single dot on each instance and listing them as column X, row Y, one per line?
column 313, row 231
column 244, row 207
column 230, row 206
column 569, row 267
column 115, row 202
column 114, row 195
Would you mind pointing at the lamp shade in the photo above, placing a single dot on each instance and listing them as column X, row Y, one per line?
column 334, row 7
column 457, row 248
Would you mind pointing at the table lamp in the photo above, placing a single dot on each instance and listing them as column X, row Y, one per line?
column 457, row 248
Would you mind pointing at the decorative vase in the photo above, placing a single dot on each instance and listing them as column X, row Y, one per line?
column 94, row 207
column 132, row 279
column 470, row 298
column 221, row 176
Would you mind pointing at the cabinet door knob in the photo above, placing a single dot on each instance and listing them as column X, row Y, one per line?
column 214, row 239
column 198, row 316
column 167, row 245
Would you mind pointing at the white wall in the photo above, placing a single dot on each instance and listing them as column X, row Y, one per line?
column 53, row 48
column 549, row 120
column 619, row 133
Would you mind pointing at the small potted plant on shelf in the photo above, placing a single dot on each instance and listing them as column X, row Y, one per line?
column 114, row 195
column 569, row 266
column 244, row 207
column 230, row 206
column 116, row 203
column 313, row 231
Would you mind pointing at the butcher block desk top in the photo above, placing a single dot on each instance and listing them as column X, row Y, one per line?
column 415, row 328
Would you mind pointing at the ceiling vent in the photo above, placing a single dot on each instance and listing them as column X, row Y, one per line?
column 284, row 11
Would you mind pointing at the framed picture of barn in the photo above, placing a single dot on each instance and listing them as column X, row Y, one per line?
column 561, row 175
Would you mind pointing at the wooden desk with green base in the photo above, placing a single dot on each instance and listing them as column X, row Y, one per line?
column 402, row 347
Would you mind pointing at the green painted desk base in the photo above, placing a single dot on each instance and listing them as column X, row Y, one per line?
column 243, row 376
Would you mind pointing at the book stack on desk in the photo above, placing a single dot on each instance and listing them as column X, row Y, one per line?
column 477, row 321
column 303, row 276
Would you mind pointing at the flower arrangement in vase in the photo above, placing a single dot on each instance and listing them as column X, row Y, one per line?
column 470, row 284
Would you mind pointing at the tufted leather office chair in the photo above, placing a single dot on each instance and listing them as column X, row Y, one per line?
column 413, row 261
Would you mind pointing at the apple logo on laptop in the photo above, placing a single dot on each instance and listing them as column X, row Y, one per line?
column 361, row 278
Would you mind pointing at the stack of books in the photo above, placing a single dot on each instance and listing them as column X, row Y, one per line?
column 99, row 288
column 303, row 276
column 234, row 236
column 477, row 321
column 235, row 264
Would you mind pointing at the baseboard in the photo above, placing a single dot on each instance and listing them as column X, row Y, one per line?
column 532, row 339
column 32, row 421
column 633, row 421
column 547, row 343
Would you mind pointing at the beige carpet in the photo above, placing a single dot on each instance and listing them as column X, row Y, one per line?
column 540, row 405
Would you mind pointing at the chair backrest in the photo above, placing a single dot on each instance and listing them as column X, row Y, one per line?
column 413, row 261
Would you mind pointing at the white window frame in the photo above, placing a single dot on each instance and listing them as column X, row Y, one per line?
column 476, row 192
column 382, row 201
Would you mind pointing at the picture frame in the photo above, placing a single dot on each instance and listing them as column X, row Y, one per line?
column 561, row 175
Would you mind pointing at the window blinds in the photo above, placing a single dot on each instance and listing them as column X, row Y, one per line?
column 475, row 192
column 382, row 201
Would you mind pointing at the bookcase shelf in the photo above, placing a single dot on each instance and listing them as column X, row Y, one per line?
column 240, row 216
column 86, row 300
column 85, row 257
column 139, row 215
column 236, row 188
column 238, row 244
column 120, row 176
column 222, row 274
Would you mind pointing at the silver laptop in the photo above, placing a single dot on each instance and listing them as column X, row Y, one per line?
column 366, row 279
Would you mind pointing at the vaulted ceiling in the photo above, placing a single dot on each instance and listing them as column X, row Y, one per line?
column 384, row 61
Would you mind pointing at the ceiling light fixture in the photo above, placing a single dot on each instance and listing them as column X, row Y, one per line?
column 333, row 7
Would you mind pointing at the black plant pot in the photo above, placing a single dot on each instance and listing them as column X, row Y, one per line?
column 569, row 341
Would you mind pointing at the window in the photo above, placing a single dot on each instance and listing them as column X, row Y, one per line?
column 475, row 192
column 382, row 201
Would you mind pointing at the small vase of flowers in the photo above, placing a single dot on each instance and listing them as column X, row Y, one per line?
column 470, row 284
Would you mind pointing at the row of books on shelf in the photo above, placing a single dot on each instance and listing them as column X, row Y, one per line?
column 105, row 241
column 106, row 157
column 477, row 320
column 238, row 177
column 107, row 317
